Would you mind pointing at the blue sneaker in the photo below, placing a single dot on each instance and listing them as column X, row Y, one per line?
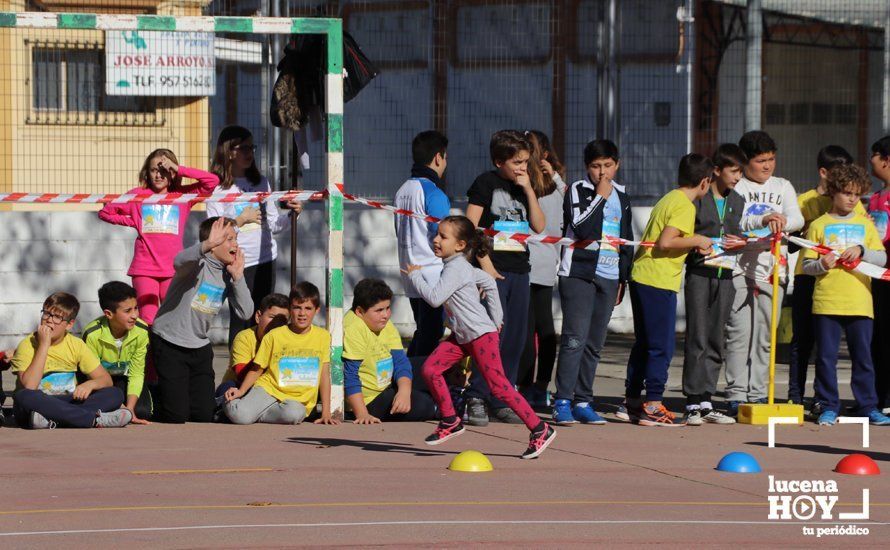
column 562, row 412
column 829, row 418
column 585, row 414
column 733, row 409
column 877, row 418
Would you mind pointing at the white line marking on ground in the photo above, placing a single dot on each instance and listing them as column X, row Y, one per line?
column 420, row 522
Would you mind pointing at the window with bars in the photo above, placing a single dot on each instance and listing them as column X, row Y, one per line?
column 68, row 87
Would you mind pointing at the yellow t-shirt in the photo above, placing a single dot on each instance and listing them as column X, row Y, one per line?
column 658, row 268
column 63, row 361
column 843, row 292
column 243, row 351
column 373, row 350
column 292, row 363
column 812, row 205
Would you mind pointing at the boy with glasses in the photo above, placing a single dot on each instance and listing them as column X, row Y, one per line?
column 47, row 364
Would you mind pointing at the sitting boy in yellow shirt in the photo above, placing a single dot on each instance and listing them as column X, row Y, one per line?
column 290, row 371
column 47, row 363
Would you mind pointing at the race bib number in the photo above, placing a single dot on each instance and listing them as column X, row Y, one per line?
column 882, row 220
column 208, row 298
column 160, row 218
column 239, row 209
column 720, row 258
column 298, row 371
column 840, row 236
column 503, row 243
column 117, row 368
column 384, row 372
column 58, row 383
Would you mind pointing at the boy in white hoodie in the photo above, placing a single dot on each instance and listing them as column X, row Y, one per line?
column 770, row 207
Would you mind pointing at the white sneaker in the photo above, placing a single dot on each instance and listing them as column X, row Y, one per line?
column 621, row 413
column 114, row 419
column 693, row 417
column 40, row 422
column 716, row 417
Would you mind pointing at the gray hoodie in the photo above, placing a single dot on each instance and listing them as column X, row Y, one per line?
column 195, row 296
column 458, row 288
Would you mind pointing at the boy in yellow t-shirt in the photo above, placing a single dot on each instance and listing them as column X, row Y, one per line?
column 290, row 371
column 377, row 374
column 842, row 298
column 813, row 204
column 47, row 363
column 655, row 282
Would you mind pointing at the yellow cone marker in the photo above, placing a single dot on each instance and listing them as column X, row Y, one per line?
column 470, row 461
column 751, row 413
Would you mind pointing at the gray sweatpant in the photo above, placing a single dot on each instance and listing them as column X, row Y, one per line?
column 258, row 406
column 708, row 305
column 747, row 340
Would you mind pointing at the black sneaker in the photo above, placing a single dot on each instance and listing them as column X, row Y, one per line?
column 445, row 431
column 538, row 442
column 477, row 415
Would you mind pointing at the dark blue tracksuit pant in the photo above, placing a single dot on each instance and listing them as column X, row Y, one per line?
column 655, row 319
column 63, row 409
column 858, row 331
column 803, row 339
column 514, row 292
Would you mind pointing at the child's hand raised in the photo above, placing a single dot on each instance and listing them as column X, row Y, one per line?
column 236, row 268
column 547, row 168
column 218, row 234
column 522, row 180
column 168, row 165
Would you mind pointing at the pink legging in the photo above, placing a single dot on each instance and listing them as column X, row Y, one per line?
column 486, row 353
column 150, row 291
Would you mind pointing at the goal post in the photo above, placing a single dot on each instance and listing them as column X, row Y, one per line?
column 330, row 27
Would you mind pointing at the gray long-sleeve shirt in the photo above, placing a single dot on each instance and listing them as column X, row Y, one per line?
column 458, row 288
column 195, row 296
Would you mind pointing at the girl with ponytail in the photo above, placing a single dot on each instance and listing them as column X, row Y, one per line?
column 474, row 330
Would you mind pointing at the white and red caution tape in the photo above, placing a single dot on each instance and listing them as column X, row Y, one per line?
column 156, row 198
column 865, row 268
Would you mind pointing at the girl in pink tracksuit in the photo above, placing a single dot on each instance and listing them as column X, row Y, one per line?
column 159, row 227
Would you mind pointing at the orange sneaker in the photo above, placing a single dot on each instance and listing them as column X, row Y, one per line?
column 655, row 414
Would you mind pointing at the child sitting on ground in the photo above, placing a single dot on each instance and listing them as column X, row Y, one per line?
column 377, row 373
column 272, row 313
column 842, row 298
column 474, row 331
column 120, row 340
column 47, row 363
column 206, row 273
column 290, row 371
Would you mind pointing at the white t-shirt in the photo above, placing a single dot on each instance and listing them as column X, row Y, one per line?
column 776, row 195
column 254, row 239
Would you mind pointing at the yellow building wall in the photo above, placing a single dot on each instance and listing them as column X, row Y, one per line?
column 79, row 156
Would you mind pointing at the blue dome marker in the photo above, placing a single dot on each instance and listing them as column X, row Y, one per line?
column 739, row 463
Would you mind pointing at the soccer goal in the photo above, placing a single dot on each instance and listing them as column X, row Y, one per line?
column 151, row 58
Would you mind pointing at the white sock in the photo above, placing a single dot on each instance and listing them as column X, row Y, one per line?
column 707, row 405
column 693, row 407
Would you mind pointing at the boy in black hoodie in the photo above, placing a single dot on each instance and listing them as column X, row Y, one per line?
column 709, row 291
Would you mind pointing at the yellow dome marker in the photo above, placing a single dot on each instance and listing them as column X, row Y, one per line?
column 470, row 461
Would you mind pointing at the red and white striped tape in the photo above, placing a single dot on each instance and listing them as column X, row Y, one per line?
column 156, row 198
column 867, row 269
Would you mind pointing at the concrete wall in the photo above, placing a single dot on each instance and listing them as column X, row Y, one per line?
column 44, row 252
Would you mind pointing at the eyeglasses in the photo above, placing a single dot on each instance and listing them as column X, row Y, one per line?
column 54, row 317
column 245, row 148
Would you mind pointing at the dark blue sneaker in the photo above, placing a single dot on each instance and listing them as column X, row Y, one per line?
column 562, row 412
column 733, row 409
column 584, row 413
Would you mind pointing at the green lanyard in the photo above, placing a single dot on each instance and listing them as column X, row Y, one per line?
column 721, row 212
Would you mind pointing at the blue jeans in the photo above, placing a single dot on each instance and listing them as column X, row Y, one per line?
column 514, row 292
column 655, row 319
column 858, row 331
column 64, row 409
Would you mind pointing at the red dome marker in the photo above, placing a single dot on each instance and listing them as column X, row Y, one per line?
column 857, row 465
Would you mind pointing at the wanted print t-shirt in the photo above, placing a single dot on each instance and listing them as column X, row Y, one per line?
column 776, row 195
column 504, row 208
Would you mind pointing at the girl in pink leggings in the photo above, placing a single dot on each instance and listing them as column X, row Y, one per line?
column 474, row 331
column 159, row 227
